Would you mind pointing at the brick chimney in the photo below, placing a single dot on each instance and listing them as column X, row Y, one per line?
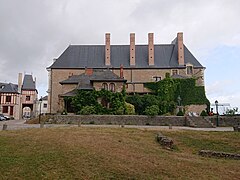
column 88, row 71
column 121, row 71
column 132, row 49
column 107, row 49
column 19, row 82
column 150, row 49
column 180, row 48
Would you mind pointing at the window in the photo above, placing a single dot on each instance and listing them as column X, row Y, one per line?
column 8, row 98
column 112, row 87
column 174, row 72
column 27, row 98
column 45, row 105
column 189, row 70
column 105, row 86
column 157, row 78
column 5, row 109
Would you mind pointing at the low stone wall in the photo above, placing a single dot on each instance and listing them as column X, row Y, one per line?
column 225, row 120
column 120, row 119
column 207, row 153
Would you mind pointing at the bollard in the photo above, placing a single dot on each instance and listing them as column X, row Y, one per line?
column 4, row 127
column 170, row 126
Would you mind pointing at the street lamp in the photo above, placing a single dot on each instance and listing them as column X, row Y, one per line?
column 40, row 103
column 216, row 103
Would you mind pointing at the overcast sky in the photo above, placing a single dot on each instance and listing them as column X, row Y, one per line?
column 33, row 32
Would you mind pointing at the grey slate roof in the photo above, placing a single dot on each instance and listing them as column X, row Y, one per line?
column 70, row 93
column 98, row 75
column 85, row 81
column 8, row 88
column 93, row 56
column 28, row 83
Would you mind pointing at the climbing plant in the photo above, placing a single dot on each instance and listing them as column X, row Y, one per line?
column 103, row 101
column 170, row 89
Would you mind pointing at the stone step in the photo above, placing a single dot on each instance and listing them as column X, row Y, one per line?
column 199, row 122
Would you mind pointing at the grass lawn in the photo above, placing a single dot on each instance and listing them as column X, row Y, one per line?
column 114, row 153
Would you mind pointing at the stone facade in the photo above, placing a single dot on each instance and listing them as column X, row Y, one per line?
column 135, row 75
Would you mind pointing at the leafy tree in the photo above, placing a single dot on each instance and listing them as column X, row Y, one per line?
column 130, row 109
column 152, row 110
column 231, row 112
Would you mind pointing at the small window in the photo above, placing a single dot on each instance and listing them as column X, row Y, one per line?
column 174, row 72
column 27, row 98
column 5, row 109
column 45, row 105
column 189, row 70
column 157, row 78
column 112, row 87
column 8, row 98
column 105, row 86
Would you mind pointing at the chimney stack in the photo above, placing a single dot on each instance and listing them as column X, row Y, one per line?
column 132, row 49
column 88, row 71
column 107, row 49
column 121, row 71
column 19, row 82
column 150, row 49
column 180, row 48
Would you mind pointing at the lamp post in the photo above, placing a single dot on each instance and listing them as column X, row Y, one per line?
column 216, row 103
column 40, row 108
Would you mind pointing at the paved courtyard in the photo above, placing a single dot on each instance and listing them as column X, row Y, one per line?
column 20, row 124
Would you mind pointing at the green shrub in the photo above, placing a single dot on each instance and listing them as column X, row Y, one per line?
column 130, row 109
column 119, row 111
column 87, row 110
column 203, row 113
column 152, row 110
column 180, row 113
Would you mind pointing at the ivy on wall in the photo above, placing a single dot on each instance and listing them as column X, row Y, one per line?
column 103, row 101
column 169, row 89
column 165, row 97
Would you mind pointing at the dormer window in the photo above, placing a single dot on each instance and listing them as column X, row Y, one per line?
column 189, row 69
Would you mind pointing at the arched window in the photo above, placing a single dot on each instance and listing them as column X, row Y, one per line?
column 105, row 86
column 112, row 87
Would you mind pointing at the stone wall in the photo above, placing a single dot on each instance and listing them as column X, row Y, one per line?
column 225, row 120
column 207, row 153
column 119, row 119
